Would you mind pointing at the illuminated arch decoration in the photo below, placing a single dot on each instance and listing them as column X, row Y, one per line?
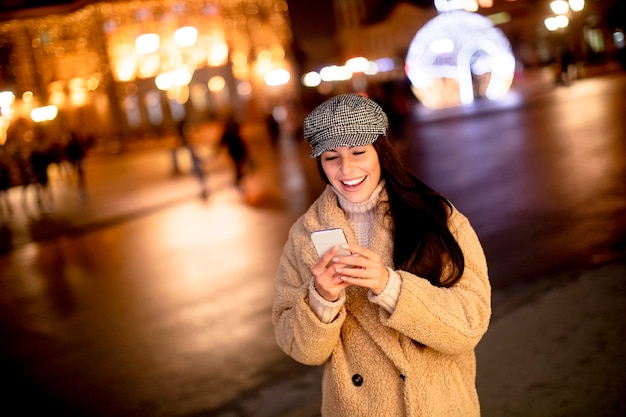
column 458, row 56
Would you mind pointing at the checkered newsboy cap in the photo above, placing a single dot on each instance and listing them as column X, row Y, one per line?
column 344, row 120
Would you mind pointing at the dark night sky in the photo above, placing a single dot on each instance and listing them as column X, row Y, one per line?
column 314, row 19
column 7, row 5
column 311, row 19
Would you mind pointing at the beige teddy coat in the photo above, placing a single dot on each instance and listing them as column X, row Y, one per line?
column 418, row 361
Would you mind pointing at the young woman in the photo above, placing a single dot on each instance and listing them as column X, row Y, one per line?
column 395, row 322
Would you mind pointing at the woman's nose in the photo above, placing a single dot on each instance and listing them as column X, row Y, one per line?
column 346, row 165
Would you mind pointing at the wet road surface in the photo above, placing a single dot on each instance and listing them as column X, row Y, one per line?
column 167, row 313
column 544, row 185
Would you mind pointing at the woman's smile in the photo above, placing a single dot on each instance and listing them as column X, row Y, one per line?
column 354, row 182
column 354, row 172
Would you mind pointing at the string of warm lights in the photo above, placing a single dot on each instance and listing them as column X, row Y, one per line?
column 562, row 9
column 69, row 60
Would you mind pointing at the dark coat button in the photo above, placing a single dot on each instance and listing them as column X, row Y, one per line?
column 403, row 377
column 357, row 380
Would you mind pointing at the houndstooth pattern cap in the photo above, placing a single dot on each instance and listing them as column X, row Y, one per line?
column 344, row 120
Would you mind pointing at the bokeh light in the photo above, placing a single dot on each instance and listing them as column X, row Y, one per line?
column 456, row 56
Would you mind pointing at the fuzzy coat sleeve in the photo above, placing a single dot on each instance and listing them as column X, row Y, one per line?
column 299, row 332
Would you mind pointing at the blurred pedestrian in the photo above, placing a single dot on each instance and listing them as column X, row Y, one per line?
column 273, row 129
column 395, row 322
column 40, row 160
column 231, row 138
column 196, row 162
column 75, row 154
column 18, row 148
column 566, row 66
column 5, row 183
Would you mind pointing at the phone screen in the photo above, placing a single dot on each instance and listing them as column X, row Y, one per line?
column 326, row 239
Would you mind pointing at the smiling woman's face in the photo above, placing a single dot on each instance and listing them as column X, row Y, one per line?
column 353, row 171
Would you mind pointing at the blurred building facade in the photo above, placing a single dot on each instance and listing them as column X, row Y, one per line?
column 124, row 68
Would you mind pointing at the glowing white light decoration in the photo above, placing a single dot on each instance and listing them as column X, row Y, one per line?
column 216, row 83
column 618, row 38
column 311, row 79
column 185, row 36
column 385, row 64
column 559, row 6
column 335, row 73
column 576, row 5
column 562, row 21
column 7, row 99
column 175, row 78
column 147, row 43
column 279, row 76
column 449, row 5
column 44, row 114
column 456, row 54
column 358, row 64
column 372, row 68
column 218, row 54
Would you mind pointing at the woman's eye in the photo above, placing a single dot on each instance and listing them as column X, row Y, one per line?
column 358, row 152
column 330, row 158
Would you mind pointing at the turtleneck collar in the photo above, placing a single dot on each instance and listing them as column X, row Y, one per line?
column 363, row 206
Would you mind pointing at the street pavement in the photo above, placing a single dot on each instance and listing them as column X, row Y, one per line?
column 554, row 348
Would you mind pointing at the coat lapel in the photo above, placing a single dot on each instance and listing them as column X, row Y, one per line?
column 368, row 314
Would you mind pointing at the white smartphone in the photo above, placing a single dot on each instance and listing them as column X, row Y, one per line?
column 326, row 239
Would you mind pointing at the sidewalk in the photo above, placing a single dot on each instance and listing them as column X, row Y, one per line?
column 126, row 185
column 112, row 196
column 557, row 349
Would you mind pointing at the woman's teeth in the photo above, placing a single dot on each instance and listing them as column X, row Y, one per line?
column 354, row 182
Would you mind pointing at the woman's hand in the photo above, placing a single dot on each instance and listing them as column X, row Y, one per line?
column 327, row 278
column 364, row 268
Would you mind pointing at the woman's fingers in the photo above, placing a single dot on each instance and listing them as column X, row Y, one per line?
column 328, row 281
column 326, row 258
column 360, row 261
column 363, row 268
column 360, row 250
